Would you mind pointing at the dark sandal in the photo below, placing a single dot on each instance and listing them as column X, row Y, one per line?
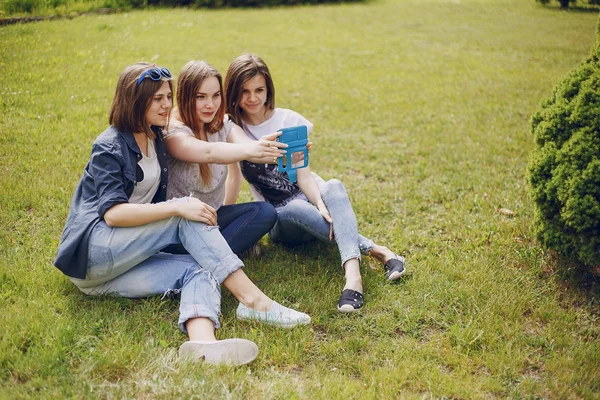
column 350, row 298
column 394, row 267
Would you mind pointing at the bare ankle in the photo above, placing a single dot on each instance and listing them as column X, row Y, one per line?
column 354, row 283
column 381, row 253
column 258, row 303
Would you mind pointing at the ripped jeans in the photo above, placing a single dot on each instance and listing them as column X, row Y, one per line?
column 300, row 221
column 127, row 262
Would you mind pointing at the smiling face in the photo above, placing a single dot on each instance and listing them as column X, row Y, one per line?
column 157, row 113
column 248, row 86
column 208, row 99
column 254, row 96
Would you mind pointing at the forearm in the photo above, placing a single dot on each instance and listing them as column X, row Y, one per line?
column 192, row 150
column 221, row 153
column 228, row 153
column 232, row 192
column 129, row 214
column 233, row 185
column 308, row 185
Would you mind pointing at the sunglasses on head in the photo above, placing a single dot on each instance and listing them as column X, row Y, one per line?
column 156, row 74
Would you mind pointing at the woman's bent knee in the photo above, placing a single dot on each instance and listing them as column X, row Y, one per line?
column 334, row 187
column 295, row 208
column 267, row 212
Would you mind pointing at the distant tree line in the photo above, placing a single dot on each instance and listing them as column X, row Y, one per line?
column 565, row 4
column 65, row 7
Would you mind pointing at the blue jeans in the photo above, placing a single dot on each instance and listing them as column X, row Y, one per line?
column 299, row 221
column 242, row 225
column 127, row 262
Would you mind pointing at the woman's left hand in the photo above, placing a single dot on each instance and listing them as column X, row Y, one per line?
column 326, row 216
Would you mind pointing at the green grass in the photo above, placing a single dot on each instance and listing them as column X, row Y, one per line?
column 420, row 107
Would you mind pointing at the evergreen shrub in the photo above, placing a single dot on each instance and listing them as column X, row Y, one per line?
column 564, row 169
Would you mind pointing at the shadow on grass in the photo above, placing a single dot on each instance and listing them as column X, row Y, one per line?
column 101, row 312
column 580, row 285
column 313, row 257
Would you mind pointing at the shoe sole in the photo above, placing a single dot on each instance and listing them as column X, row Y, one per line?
column 231, row 352
column 277, row 324
column 396, row 275
column 348, row 310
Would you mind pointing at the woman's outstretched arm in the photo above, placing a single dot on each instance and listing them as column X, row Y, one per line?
column 189, row 149
column 238, row 136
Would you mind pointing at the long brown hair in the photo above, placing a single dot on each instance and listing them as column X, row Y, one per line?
column 131, row 101
column 190, row 80
column 240, row 71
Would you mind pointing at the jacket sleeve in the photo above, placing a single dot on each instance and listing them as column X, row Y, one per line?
column 106, row 167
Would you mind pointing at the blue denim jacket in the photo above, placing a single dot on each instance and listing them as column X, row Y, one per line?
column 108, row 179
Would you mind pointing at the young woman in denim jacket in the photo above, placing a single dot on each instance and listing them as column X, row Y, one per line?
column 310, row 208
column 119, row 221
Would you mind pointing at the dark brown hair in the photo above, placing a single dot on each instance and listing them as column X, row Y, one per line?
column 240, row 71
column 131, row 101
column 190, row 80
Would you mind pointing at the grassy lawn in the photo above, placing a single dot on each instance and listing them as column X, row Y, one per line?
column 420, row 107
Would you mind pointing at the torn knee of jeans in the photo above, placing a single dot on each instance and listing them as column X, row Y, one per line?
column 171, row 294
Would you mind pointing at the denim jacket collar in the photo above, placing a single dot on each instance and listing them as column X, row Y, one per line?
column 130, row 139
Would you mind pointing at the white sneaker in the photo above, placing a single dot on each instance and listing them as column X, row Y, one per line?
column 228, row 351
column 278, row 315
